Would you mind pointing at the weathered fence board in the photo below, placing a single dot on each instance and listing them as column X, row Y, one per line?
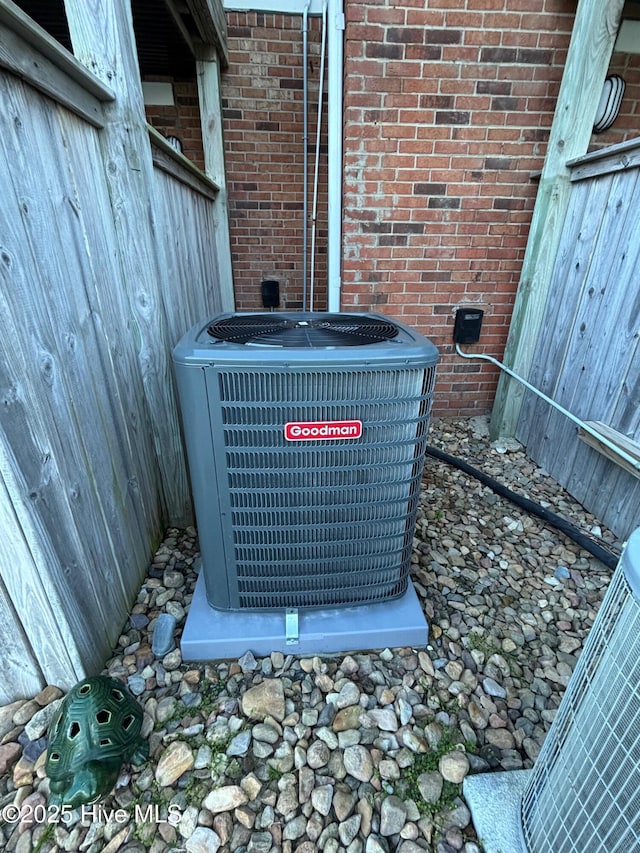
column 101, row 271
column 587, row 357
column 131, row 434
column 50, row 79
column 187, row 228
column 103, row 39
column 575, row 312
column 59, row 426
column 592, row 42
column 572, row 265
column 32, row 600
column 208, row 69
column 19, row 670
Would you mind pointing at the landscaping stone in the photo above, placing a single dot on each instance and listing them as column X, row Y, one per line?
column 265, row 700
column 393, row 815
column 358, row 762
column 225, row 799
column 362, row 752
column 203, row 840
column 174, row 761
column 454, row 766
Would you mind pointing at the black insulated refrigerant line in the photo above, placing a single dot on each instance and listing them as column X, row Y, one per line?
column 609, row 558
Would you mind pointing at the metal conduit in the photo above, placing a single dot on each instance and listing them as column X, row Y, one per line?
column 314, row 213
column 305, row 142
column 601, row 438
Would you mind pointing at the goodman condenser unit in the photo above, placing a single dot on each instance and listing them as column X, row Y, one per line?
column 306, row 438
column 583, row 794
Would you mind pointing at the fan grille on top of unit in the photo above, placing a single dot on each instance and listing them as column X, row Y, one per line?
column 278, row 330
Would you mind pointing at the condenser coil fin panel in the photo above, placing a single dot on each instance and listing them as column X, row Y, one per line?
column 584, row 793
column 309, row 523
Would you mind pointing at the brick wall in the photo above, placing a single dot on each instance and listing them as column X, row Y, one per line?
column 446, row 118
column 447, row 114
column 262, row 94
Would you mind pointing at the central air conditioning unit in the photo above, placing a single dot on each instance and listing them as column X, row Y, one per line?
column 583, row 794
column 306, row 435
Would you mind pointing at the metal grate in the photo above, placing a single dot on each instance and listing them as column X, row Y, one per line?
column 303, row 330
column 584, row 794
column 320, row 523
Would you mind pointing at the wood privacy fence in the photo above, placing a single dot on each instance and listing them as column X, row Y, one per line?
column 587, row 356
column 106, row 257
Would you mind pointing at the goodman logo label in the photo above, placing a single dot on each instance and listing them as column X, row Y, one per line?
column 322, row 430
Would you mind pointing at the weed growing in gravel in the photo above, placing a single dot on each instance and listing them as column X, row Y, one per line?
column 195, row 789
column 46, row 836
column 220, row 765
column 274, row 774
column 432, row 699
column 209, row 693
column 489, row 648
column 408, row 787
column 484, row 645
column 154, row 797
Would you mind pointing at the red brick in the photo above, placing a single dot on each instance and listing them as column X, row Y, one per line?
column 407, row 66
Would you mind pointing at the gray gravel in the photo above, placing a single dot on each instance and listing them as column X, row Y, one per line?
column 362, row 752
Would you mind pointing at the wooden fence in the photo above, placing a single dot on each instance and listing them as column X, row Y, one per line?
column 106, row 257
column 588, row 355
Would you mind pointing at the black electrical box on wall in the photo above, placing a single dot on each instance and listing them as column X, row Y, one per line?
column 467, row 326
column 270, row 290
